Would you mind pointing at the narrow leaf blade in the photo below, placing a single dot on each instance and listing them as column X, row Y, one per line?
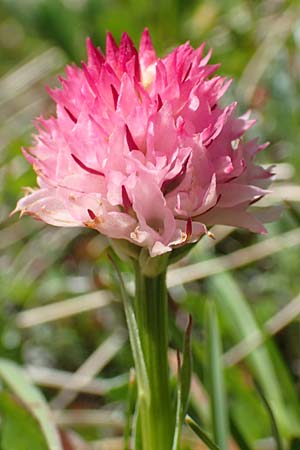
column 15, row 378
column 272, row 417
column 134, row 337
column 215, row 378
column 184, row 384
column 131, row 401
column 186, row 369
column 19, row 429
column 273, row 379
column 201, row 434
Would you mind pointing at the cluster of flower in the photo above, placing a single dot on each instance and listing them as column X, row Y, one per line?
column 140, row 149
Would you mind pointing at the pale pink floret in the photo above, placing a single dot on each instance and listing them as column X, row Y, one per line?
column 140, row 149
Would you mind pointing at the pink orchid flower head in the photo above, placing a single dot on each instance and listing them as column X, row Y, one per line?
column 140, row 149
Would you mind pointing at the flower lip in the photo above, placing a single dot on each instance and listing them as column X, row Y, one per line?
column 171, row 184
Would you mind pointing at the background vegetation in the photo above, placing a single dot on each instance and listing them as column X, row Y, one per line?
column 57, row 316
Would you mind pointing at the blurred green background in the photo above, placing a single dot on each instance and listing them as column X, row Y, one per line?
column 254, row 280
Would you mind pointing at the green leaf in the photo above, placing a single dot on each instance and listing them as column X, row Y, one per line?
column 137, row 429
column 241, row 324
column 16, row 379
column 130, row 409
column 201, row 433
column 19, row 429
column 184, row 384
column 215, row 378
column 243, row 428
column 134, row 336
column 186, row 368
column 238, row 437
column 272, row 417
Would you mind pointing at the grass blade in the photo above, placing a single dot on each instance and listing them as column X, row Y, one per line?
column 184, row 384
column 201, row 433
column 131, row 401
column 16, row 379
column 134, row 336
column 215, row 379
column 272, row 417
column 241, row 323
column 137, row 429
column 19, row 429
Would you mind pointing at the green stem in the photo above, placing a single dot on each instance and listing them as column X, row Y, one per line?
column 151, row 311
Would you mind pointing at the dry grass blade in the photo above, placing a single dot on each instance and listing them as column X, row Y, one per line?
column 58, row 379
column 83, row 417
column 234, row 260
column 118, row 443
column 15, row 232
column 175, row 276
column 29, row 264
column 19, row 123
column 284, row 171
column 289, row 192
column 91, row 367
column 278, row 32
column 25, row 76
column 109, row 444
column 63, row 309
column 73, row 441
column 276, row 323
